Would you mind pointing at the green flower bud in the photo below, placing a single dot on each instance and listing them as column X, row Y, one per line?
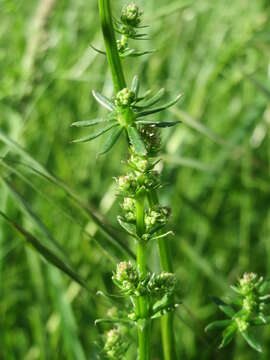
column 131, row 14
column 162, row 284
column 122, row 44
column 242, row 324
column 124, row 97
column 128, row 204
column 126, row 277
column 115, row 345
column 156, row 216
column 248, row 283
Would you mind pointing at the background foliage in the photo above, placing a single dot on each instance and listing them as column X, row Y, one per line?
column 216, row 165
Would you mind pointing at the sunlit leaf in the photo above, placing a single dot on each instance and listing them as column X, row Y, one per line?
column 111, row 140
column 136, row 141
column 158, row 109
column 104, row 101
column 135, row 85
column 252, row 342
column 96, row 134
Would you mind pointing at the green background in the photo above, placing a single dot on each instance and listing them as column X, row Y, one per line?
column 216, row 167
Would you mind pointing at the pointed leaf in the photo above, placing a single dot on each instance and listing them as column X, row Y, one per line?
column 129, row 228
column 45, row 252
column 104, row 101
column 228, row 334
column 259, row 320
column 160, row 124
column 252, row 342
column 219, row 324
column 85, row 123
column 153, row 99
column 97, row 50
column 95, row 134
column 225, row 308
column 136, row 141
column 161, row 108
column 109, row 143
column 135, row 85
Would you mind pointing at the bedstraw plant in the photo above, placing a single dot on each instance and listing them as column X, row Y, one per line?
column 131, row 114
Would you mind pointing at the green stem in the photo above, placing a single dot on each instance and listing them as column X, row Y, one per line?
column 144, row 323
column 167, row 320
column 110, row 45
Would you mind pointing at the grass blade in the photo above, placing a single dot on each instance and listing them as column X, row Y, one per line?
column 45, row 252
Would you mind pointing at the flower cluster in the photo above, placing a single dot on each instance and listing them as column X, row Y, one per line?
column 246, row 309
column 115, row 345
column 132, row 283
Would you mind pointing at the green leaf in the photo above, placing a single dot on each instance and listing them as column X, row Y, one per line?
column 109, row 143
column 252, row 342
column 97, row 50
column 129, row 228
column 85, row 123
column 136, row 141
column 228, row 334
column 153, row 99
column 161, row 108
column 95, row 134
column 160, row 124
column 45, row 252
column 104, row 101
column 226, row 309
column 219, row 324
column 260, row 320
column 114, row 321
column 135, row 85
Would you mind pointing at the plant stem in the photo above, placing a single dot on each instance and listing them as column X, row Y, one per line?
column 110, row 45
column 167, row 320
column 144, row 323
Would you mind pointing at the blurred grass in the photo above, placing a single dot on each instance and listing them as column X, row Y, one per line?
column 216, row 164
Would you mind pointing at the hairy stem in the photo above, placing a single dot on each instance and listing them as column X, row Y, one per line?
column 167, row 327
column 110, row 45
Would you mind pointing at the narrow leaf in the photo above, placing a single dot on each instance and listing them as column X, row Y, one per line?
column 85, row 123
column 104, row 101
column 95, row 134
column 219, row 324
column 136, row 141
column 153, row 99
column 161, row 108
column 160, row 124
column 45, row 252
column 97, row 50
column 135, row 85
column 226, row 309
column 252, row 342
column 109, row 143
column 129, row 228
column 228, row 334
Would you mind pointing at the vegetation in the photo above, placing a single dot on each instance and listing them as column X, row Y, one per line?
column 58, row 198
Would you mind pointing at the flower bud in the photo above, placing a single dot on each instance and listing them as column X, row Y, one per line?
column 242, row 324
column 151, row 138
column 131, row 14
column 115, row 345
column 122, row 44
column 124, row 97
column 162, row 284
column 126, row 277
